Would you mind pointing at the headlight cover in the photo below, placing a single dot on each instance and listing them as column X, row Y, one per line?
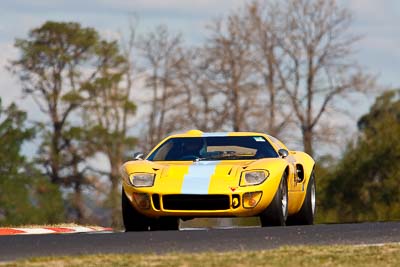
column 142, row 179
column 249, row 178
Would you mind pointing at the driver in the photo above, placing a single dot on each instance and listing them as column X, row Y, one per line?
column 192, row 148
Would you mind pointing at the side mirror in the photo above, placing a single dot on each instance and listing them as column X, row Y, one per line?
column 283, row 153
column 138, row 156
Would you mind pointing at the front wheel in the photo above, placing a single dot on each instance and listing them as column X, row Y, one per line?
column 133, row 220
column 276, row 213
column 307, row 212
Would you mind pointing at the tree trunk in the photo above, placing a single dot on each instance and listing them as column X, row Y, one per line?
column 114, row 195
column 236, row 110
column 307, row 140
column 271, row 89
column 78, row 204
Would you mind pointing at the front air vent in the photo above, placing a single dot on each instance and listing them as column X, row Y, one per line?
column 156, row 201
column 235, row 201
column 299, row 173
column 196, row 202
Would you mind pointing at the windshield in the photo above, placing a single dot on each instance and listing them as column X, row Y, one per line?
column 214, row 148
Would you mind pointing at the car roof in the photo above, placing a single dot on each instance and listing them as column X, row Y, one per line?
column 198, row 133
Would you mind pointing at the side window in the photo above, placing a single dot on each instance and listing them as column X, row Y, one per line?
column 162, row 152
column 277, row 143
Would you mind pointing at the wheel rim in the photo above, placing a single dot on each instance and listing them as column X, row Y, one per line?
column 284, row 199
column 313, row 198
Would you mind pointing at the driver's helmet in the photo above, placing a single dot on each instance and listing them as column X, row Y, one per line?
column 193, row 147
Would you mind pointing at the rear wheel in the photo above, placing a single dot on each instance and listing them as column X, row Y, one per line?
column 276, row 213
column 307, row 212
column 133, row 220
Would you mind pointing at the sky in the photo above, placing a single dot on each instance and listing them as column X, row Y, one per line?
column 376, row 21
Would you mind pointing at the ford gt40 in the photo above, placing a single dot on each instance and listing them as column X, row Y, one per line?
column 233, row 174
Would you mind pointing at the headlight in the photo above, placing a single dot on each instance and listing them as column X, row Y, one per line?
column 142, row 179
column 253, row 177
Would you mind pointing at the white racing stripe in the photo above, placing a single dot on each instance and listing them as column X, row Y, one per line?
column 215, row 134
column 198, row 178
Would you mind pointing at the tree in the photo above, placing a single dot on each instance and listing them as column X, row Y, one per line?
column 263, row 20
column 318, row 67
column 163, row 57
column 230, row 69
column 106, row 112
column 201, row 107
column 277, row 65
column 56, row 61
column 364, row 185
column 24, row 199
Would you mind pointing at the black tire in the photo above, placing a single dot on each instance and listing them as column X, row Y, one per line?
column 307, row 212
column 133, row 220
column 276, row 213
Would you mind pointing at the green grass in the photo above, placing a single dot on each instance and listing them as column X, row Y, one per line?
column 354, row 256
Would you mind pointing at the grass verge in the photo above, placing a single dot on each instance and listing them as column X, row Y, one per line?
column 354, row 256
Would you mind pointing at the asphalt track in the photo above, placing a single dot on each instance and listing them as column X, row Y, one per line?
column 256, row 238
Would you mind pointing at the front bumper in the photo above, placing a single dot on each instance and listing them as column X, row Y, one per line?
column 238, row 204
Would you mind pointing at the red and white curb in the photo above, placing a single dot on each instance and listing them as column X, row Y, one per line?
column 52, row 230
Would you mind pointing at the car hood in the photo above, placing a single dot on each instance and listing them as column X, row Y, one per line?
column 204, row 177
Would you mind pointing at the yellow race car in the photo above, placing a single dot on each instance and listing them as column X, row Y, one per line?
column 234, row 174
